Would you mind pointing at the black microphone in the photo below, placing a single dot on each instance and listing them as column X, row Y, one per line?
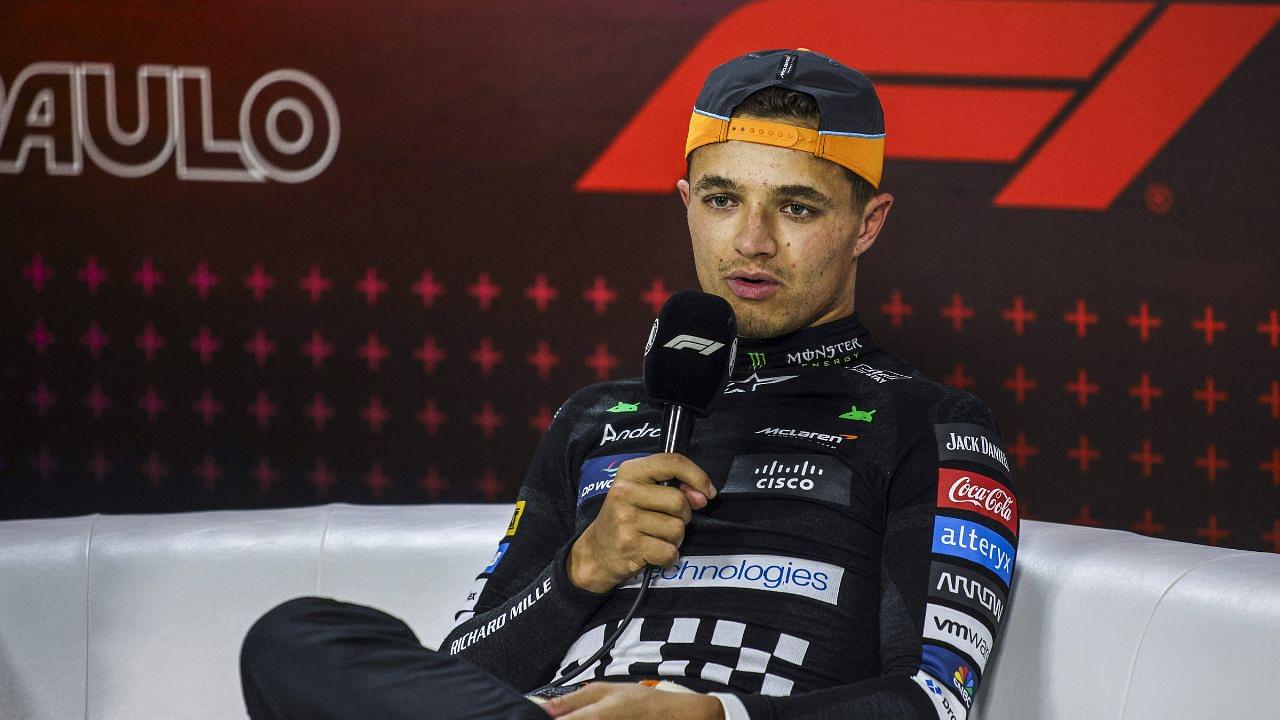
column 687, row 361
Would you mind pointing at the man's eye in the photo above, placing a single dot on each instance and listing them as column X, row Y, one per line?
column 797, row 210
column 719, row 202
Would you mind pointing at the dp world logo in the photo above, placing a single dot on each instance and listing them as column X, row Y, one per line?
column 1077, row 96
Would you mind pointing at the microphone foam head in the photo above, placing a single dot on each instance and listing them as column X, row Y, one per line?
column 690, row 352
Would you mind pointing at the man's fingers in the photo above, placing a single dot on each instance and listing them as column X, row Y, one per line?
column 657, row 498
column 658, row 552
column 663, row 467
column 566, row 704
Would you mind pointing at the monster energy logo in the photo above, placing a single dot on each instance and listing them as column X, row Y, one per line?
column 757, row 360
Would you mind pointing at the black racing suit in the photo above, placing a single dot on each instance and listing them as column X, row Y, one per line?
column 855, row 562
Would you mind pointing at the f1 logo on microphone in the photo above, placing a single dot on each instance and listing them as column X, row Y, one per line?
column 692, row 342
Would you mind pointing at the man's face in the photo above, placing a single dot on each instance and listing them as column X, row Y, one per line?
column 775, row 233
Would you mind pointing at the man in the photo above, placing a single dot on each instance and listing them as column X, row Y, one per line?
column 841, row 540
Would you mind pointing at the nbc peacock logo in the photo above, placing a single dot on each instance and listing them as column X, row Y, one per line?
column 963, row 679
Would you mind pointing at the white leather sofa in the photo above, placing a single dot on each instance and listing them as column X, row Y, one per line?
column 135, row 617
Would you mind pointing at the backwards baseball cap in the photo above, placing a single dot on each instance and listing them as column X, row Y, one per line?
column 851, row 128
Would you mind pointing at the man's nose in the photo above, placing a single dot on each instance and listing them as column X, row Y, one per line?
column 756, row 237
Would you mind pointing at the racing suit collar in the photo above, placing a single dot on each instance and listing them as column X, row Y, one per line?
column 834, row 343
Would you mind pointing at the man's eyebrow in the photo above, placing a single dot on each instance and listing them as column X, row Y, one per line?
column 714, row 182
column 804, row 192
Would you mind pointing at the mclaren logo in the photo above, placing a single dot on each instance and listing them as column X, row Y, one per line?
column 702, row 346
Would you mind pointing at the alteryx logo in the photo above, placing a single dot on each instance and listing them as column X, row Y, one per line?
column 598, row 474
column 1078, row 97
column 975, row 543
column 771, row 573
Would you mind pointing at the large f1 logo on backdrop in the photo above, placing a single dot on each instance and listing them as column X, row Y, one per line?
column 1080, row 95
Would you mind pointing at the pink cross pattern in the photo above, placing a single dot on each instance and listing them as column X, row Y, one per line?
column 428, row 289
column 377, row 481
column 317, row 349
column 205, row 344
column 40, row 337
column 541, row 293
column 207, row 407
column 153, row 469
column 543, row 359
column 486, row 356
column 371, row 286
column 373, row 352
column 375, row 414
column 488, row 420
column 152, row 404
column 599, row 295
column 602, row 361
column 260, row 347
column 93, row 275
column 203, row 280
column 43, row 399
column 258, row 282
column 433, row 484
column 321, row 478
column 37, row 272
column 149, row 277
column 98, row 466
column 265, row 475
column 1019, row 315
column 484, row 291
column 209, row 473
column 45, row 462
column 319, row 411
column 97, row 401
column 430, row 354
column 896, row 309
column 262, row 409
column 149, row 342
column 431, row 417
column 656, row 296
column 95, row 339
column 315, row 284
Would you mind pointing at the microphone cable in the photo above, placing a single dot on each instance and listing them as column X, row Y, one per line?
column 612, row 640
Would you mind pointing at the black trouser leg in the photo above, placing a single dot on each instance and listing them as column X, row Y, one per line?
column 314, row 658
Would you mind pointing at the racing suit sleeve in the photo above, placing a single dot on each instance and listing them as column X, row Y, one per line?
column 523, row 612
column 947, row 560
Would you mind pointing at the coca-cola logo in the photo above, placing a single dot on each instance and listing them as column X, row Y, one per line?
column 995, row 500
column 975, row 492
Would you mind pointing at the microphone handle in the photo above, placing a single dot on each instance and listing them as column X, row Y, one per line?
column 677, row 428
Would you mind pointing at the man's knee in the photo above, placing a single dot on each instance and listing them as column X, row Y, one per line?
column 278, row 630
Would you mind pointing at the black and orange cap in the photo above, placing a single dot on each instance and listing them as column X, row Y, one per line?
column 851, row 128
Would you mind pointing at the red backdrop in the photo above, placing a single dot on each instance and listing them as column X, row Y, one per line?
column 294, row 252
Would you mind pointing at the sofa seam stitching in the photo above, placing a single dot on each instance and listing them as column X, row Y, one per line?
column 324, row 536
column 88, row 557
column 1133, row 666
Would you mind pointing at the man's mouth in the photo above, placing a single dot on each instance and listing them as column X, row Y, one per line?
column 752, row 285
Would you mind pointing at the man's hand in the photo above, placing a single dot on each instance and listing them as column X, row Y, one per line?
column 641, row 523
column 632, row 701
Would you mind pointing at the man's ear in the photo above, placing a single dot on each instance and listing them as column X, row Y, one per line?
column 873, row 218
column 683, row 186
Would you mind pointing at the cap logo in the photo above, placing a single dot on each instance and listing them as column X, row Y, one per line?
column 787, row 67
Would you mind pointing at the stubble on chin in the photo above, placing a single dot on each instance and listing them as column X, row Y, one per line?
column 766, row 320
